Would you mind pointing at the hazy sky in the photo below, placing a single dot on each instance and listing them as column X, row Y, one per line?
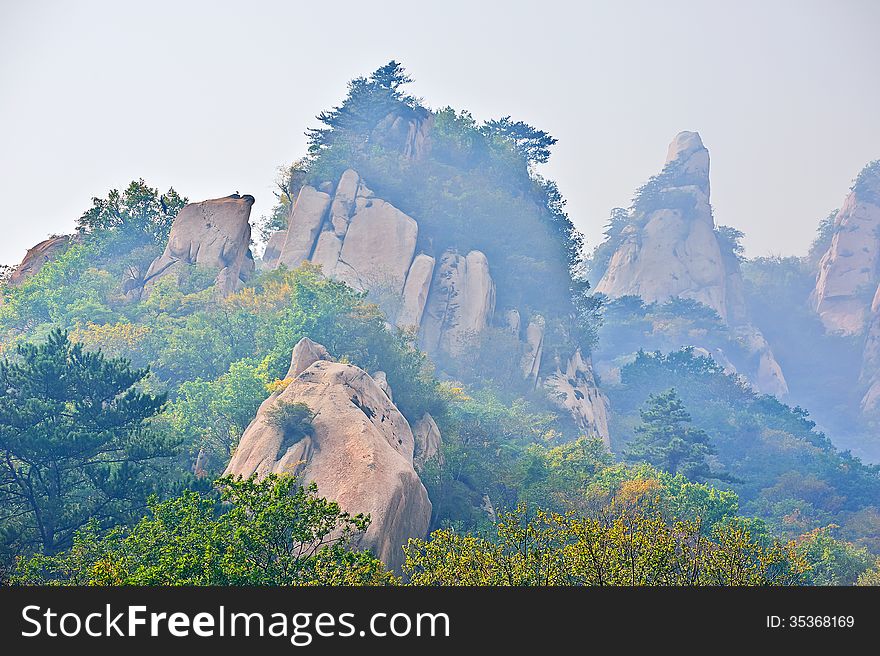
column 211, row 97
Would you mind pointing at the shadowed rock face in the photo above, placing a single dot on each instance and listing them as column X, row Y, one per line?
column 674, row 252
column 461, row 303
column 37, row 256
column 214, row 233
column 360, row 453
column 848, row 271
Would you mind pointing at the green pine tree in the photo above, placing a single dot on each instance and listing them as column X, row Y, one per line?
column 73, row 443
column 667, row 440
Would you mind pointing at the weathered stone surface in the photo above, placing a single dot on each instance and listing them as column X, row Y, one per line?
column 415, row 291
column 327, row 251
column 37, row 256
column 343, row 203
column 303, row 225
column 848, row 271
column 461, row 303
column 427, row 441
column 407, row 132
column 533, row 348
column 512, row 321
column 378, row 248
column 381, row 379
column 215, row 234
column 360, row 453
column 574, row 388
column 768, row 378
column 674, row 252
column 304, row 355
column 870, row 373
column 273, row 249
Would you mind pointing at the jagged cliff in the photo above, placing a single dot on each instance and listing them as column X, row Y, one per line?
column 449, row 300
column 671, row 250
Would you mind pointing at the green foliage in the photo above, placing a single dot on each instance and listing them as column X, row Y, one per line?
column 139, row 214
column 294, row 420
column 469, row 175
column 867, row 183
column 730, row 241
column 75, row 442
column 211, row 415
column 531, row 143
column 667, row 440
column 824, row 234
column 622, row 545
column 269, row 532
column 832, row 561
column 784, row 471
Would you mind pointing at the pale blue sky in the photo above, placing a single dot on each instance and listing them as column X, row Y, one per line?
column 212, row 96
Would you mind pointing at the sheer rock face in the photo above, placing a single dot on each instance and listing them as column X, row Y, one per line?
column 849, row 268
column 360, row 453
column 378, row 248
column 273, row 249
column 573, row 387
column 371, row 245
column 415, row 291
column 461, row 303
column 214, row 234
column 304, row 222
column 674, row 252
column 37, row 256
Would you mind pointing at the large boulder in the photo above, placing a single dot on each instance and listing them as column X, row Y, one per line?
column 848, row 271
column 214, row 234
column 461, row 303
column 360, row 453
column 37, row 256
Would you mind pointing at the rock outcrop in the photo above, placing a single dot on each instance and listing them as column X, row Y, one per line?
column 407, row 132
column 461, row 303
column 671, row 250
column 849, row 271
column 427, row 440
column 215, row 234
column 360, row 453
column 37, row 256
column 573, row 387
column 448, row 302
